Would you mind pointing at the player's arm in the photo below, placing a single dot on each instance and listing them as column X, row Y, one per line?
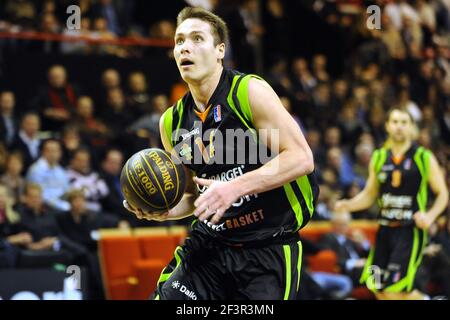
column 294, row 158
column 439, row 187
column 362, row 200
column 185, row 207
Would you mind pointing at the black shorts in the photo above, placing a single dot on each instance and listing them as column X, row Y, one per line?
column 393, row 262
column 203, row 269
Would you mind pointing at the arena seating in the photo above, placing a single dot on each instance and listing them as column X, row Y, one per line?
column 132, row 261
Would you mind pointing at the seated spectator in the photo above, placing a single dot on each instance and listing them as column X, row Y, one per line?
column 8, row 119
column 435, row 268
column 313, row 138
column 27, row 141
column 138, row 98
column 82, row 177
column 335, row 160
column 71, row 141
column 111, row 167
column 110, row 79
column 56, row 101
column 351, row 246
column 3, row 156
column 147, row 126
column 12, row 178
column 48, row 246
column 11, row 239
column 93, row 130
column 50, row 175
column 81, row 226
column 321, row 285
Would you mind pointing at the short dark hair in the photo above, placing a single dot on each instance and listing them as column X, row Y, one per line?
column 402, row 110
column 218, row 26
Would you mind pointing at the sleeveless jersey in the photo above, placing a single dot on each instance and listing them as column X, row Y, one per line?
column 207, row 144
column 403, row 183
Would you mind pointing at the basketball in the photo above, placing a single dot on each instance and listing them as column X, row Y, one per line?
column 151, row 181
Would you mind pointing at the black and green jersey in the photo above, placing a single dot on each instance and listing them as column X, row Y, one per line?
column 403, row 183
column 211, row 145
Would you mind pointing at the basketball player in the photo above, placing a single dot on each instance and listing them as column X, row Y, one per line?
column 399, row 176
column 244, row 243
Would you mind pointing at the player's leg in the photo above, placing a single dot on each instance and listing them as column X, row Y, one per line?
column 403, row 264
column 270, row 273
column 377, row 261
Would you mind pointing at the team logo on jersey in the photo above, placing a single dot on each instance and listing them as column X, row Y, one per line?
column 217, row 113
column 407, row 164
column 186, row 151
column 382, row 177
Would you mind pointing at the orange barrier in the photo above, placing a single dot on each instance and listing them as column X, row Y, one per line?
column 125, row 41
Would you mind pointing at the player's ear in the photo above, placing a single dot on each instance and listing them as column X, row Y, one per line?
column 221, row 50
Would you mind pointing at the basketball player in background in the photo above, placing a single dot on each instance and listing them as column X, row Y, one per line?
column 399, row 176
column 244, row 243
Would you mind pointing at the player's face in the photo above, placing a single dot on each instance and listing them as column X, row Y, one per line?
column 399, row 126
column 195, row 53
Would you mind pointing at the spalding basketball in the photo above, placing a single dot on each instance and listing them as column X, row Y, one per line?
column 151, row 181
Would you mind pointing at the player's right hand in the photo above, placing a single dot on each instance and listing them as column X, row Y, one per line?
column 157, row 216
column 341, row 206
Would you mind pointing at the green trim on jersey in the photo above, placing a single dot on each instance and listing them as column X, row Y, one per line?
column 305, row 188
column 287, row 257
column 167, row 117
column 295, row 204
column 299, row 262
column 304, row 192
column 164, row 276
column 180, row 109
column 422, row 159
column 378, row 159
column 234, row 101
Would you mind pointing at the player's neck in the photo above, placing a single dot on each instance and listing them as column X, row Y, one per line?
column 204, row 89
column 400, row 148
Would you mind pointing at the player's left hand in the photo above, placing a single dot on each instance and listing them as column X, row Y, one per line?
column 422, row 220
column 219, row 196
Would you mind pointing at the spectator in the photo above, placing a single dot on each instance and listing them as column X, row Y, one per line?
column 138, row 98
column 111, row 168
column 81, row 226
column 335, row 160
column 47, row 246
column 56, row 101
column 82, row 177
column 27, row 141
column 95, row 132
column 351, row 246
column 50, row 175
column 10, row 236
column 8, row 120
column 71, row 141
column 435, row 268
column 146, row 128
column 117, row 116
column 319, row 68
column 12, row 178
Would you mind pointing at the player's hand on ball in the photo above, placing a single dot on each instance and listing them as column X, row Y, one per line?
column 422, row 220
column 213, row 203
column 156, row 216
column 341, row 206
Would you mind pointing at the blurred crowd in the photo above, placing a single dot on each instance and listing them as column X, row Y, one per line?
column 61, row 153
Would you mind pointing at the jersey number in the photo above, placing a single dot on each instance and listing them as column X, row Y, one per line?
column 396, row 178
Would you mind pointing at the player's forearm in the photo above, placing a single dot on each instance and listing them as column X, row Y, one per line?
column 284, row 168
column 362, row 201
column 439, row 205
column 183, row 209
